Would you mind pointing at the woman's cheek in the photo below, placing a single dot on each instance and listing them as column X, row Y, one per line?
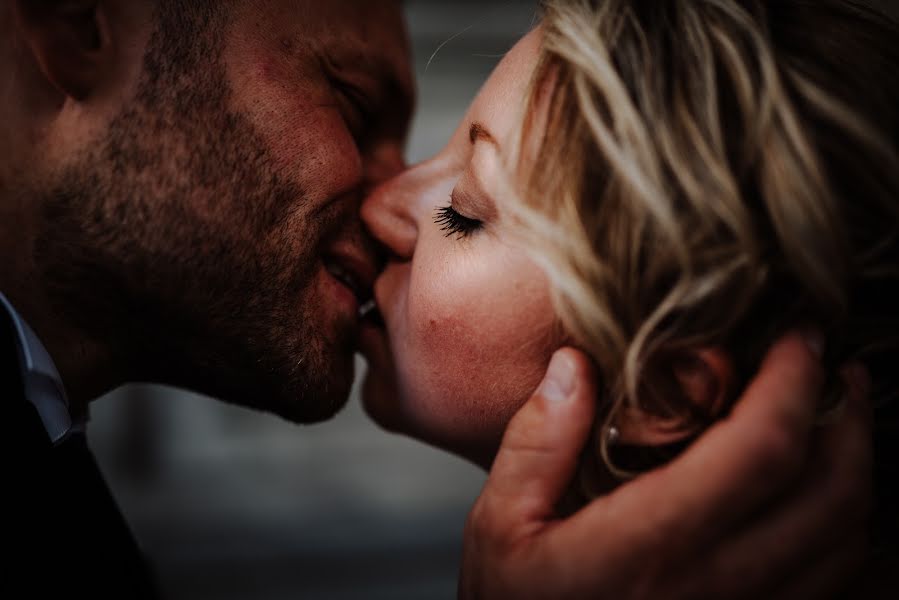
column 477, row 345
column 444, row 324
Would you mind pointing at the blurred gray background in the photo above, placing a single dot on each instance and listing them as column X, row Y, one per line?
column 231, row 504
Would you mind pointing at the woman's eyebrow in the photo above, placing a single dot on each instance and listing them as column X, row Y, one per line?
column 478, row 132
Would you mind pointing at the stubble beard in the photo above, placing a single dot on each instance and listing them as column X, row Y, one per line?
column 176, row 243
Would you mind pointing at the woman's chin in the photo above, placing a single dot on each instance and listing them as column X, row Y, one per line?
column 381, row 403
column 379, row 399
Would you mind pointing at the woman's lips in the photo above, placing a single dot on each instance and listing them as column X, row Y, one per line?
column 379, row 389
column 372, row 341
column 374, row 328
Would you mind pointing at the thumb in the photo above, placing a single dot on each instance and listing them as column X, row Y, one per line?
column 542, row 444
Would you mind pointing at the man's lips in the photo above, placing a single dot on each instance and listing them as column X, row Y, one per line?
column 353, row 268
column 370, row 313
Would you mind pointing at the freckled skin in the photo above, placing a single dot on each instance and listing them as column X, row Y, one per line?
column 470, row 321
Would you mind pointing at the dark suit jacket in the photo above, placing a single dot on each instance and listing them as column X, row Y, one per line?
column 63, row 534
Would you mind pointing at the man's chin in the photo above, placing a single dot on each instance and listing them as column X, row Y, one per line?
column 312, row 410
column 316, row 398
column 307, row 390
column 303, row 403
column 304, row 376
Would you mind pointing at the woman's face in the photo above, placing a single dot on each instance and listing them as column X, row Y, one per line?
column 469, row 322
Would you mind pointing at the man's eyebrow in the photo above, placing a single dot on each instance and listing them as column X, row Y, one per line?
column 478, row 132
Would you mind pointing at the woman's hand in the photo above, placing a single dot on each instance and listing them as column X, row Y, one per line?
column 763, row 505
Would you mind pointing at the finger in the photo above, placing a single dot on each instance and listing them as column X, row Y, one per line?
column 731, row 471
column 831, row 503
column 542, row 444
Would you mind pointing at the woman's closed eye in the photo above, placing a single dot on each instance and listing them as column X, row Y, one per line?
column 452, row 222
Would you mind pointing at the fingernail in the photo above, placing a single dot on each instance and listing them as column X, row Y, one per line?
column 559, row 381
column 814, row 339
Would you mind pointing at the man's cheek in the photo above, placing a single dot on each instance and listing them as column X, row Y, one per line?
column 317, row 150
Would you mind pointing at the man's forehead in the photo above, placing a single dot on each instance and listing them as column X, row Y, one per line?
column 367, row 35
column 369, row 22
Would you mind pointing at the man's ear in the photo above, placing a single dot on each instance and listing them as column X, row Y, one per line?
column 701, row 388
column 69, row 40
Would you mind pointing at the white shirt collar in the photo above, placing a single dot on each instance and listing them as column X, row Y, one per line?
column 43, row 385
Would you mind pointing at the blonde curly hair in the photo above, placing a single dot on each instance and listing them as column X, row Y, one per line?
column 711, row 173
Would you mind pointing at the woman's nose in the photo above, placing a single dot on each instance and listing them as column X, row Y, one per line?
column 388, row 214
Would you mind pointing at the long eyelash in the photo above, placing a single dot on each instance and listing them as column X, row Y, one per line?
column 452, row 223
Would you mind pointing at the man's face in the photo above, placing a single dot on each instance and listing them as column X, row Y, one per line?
column 212, row 232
